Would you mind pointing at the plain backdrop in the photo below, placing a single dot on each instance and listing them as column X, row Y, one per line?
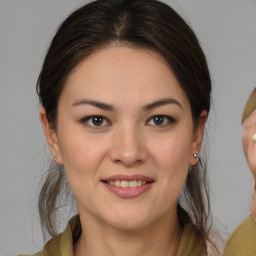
column 227, row 32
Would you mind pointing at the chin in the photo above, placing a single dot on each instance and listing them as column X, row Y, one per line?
column 129, row 220
column 130, row 225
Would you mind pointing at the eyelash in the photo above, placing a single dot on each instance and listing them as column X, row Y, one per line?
column 167, row 120
column 90, row 119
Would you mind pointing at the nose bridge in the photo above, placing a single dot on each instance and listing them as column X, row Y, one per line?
column 128, row 144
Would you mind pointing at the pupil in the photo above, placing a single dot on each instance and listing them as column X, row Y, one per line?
column 159, row 120
column 97, row 120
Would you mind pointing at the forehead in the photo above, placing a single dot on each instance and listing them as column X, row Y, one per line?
column 123, row 74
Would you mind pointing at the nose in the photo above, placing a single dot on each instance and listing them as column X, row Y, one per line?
column 129, row 147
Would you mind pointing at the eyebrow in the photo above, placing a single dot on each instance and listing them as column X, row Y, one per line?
column 162, row 102
column 108, row 107
column 94, row 103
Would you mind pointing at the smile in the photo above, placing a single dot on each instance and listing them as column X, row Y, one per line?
column 127, row 184
column 128, row 187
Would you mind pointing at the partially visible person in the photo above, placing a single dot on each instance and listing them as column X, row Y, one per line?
column 243, row 240
column 253, row 203
column 249, row 142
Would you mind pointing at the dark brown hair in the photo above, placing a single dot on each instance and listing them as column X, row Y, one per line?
column 135, row 23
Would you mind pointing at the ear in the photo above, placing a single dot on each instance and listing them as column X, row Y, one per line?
column 198, row 137
column 51, row 137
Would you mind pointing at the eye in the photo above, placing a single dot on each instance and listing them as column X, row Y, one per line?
column 160, row 120
column 95, row 121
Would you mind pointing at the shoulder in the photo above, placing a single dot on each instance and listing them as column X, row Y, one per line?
column 243, row 239
column 190, row 244
column 62, row 244
column 51, row 248
column 36, row 254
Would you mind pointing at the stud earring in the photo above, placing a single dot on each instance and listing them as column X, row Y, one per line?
column 195, row 155
column 55, row 159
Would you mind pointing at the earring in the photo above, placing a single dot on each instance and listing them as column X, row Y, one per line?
column 55, row 159
column 195, row 155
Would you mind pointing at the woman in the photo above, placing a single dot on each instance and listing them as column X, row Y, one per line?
column 125, row 93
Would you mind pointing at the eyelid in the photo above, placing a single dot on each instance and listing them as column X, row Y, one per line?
column 85, row 120
column 170, row 120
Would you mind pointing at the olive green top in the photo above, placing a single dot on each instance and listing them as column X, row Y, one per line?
column 62, row 244
column 243, row 240
column 241, row 243
column 250, row 105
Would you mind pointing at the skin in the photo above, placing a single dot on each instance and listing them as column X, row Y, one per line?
column 129, row 141
column 249, row 129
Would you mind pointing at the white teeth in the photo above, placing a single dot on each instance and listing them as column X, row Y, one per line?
column 133, row 184
column 127, row 184
column 124, row 183
column 117, row 183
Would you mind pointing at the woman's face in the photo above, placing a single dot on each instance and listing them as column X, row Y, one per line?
column 125, row 137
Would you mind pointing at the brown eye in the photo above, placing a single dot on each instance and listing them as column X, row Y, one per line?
column 95, row 121
column 160, row 120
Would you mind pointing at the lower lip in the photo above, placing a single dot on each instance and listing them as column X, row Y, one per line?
column 128, row 193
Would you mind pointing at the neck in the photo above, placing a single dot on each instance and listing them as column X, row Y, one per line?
column 161, row 238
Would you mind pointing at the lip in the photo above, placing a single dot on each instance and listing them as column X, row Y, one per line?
column 128, row 193
column 129, row 177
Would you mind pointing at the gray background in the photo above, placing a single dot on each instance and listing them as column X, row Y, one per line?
column 227, row 31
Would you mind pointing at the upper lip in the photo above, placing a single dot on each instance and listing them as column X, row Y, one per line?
column 128, row 177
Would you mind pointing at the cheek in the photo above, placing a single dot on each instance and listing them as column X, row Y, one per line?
column 245, row 139
column 172, row 158
column 173, row 151
column 81, row 153
column 244, row 142
column 82, row 157
column 172, row 161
